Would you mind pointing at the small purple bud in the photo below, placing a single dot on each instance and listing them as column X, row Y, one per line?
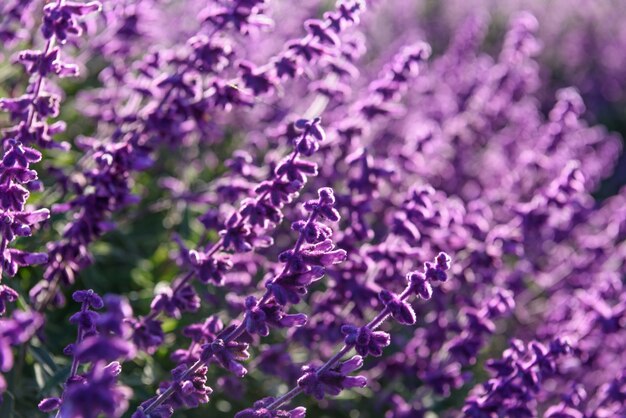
column 49, row 404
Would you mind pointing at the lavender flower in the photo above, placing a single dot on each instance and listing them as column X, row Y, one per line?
column 29, row 114
column 221, row 345
column 192, row 139
column 332, row 377
column 240, row 235
column 516, row 379
column 101, row 340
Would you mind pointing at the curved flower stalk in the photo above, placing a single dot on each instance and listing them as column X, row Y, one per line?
column 102, row 340
column 243, row 231
column 332, row 377
column 303, row 265
column 30, row 113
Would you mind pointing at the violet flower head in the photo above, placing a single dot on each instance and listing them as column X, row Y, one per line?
column 308, row 143
column 60, row 19
column 191, row 390
column 228, row 355
column 15, row 174
column 400, row 310
column 95, row 393
column 101, row 339
column 210, row 269
column 365, row 341
column 259, row 318
column 332, row 381
column 307, row 262
column 518, row 379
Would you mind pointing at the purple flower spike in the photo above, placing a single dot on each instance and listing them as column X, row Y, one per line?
column 100, row 340
column 437, row 272
column 60, row 19
column 317, row 28
column 197, row 108
column 228, row 355
column 365, row 341
column 258, row 318
column 518, row 378
column 28, row 124
column 49, row 404
column 96, row 393
column 333, row 381
column 399, row 309
column 292, row 286
column 420, row 285
column 210, row 268
column 189, row 390
column 255, row 318
column 312, row 135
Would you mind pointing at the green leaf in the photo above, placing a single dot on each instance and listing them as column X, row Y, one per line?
column 55, row 380
column 44, row 358
column 40, row 376
column 6, row 407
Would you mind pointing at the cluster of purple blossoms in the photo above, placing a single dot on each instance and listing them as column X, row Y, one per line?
column 102, row 340
column 248, row 182
column 29, row 114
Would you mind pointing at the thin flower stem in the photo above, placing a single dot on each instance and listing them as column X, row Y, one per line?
column 79, row 338
column 75, row 363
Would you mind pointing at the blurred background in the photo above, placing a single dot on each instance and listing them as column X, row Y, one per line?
column 582, row 43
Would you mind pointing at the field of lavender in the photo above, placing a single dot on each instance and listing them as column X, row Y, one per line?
column 309, row 208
